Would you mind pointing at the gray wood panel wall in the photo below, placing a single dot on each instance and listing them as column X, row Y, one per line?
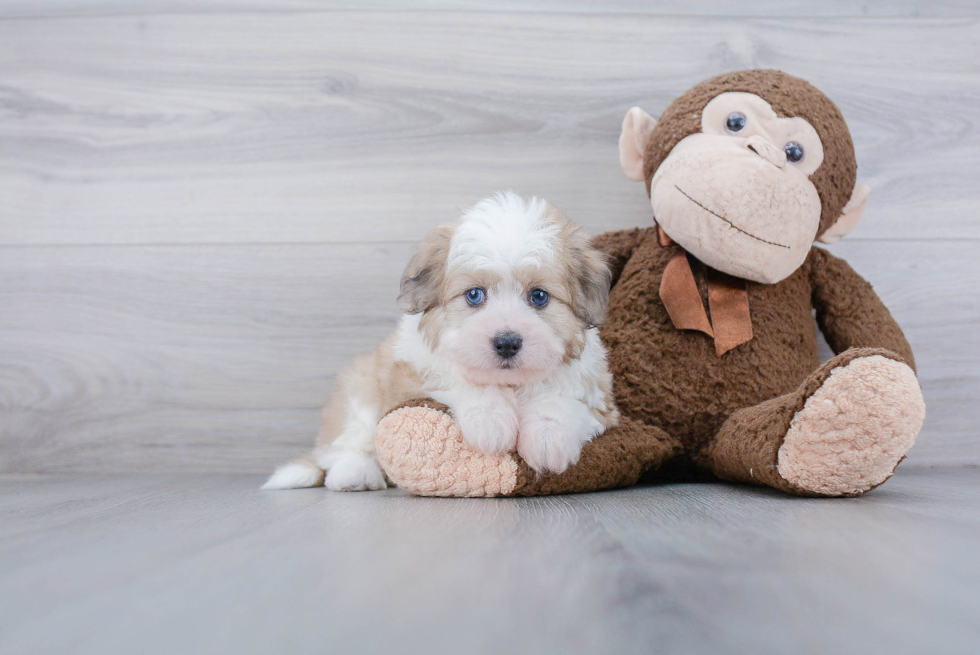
column 205, row 207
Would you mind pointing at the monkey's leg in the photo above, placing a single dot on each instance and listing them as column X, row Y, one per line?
column 422, row 450
column 842, row 433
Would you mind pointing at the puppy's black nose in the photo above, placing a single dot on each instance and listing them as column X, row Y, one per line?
column 507, row 344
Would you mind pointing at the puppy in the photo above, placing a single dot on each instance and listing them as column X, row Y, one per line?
column 500, row 315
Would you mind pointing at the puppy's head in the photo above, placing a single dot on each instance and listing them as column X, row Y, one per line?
column 508, row 291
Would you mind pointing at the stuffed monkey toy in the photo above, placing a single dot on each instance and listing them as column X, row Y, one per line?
column 710, row 331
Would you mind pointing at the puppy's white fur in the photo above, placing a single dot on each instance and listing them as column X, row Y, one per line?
column 546, row 402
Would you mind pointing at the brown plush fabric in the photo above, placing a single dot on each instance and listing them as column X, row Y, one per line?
column 788, row 96
column 618, row 458
column 674, row 379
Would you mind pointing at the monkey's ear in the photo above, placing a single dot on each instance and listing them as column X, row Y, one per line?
column 633, row 142
column 851, row 214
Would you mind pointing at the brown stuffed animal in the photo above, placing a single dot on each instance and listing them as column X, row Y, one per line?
column 710, row 328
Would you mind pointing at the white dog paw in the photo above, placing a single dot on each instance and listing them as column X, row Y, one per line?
column 489, row 425
column 553, row 432
column 354, row 472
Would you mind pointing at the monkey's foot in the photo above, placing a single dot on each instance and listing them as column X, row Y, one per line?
column 854, row 429
column 421, row 448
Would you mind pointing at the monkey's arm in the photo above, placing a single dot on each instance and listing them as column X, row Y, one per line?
column 618, row 246
column 850, row 314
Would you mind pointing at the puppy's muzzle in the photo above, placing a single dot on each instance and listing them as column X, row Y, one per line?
column 507, row 344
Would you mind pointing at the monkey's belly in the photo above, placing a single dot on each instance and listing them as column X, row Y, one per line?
column 674, row 379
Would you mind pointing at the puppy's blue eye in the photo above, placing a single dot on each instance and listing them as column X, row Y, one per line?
column 735, row 122
column 794, row 152
column 539, row 297
column 475, row 296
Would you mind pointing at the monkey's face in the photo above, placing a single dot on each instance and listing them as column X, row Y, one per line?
column 738, row 195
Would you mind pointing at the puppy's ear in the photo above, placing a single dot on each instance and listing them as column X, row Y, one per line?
column 587, row 269
column 426, row 271
column 593, row 278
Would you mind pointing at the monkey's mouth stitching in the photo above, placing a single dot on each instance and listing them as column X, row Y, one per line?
column 748, row 234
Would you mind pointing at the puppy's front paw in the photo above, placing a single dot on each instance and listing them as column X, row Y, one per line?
column 354, row 472
column 489, row 426
column 553, row 432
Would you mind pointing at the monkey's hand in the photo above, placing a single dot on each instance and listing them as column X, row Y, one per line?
column 850, row 314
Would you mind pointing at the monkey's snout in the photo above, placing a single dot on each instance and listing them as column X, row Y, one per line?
column 766, row 150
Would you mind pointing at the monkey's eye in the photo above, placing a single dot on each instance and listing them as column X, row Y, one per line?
column 475, row 296
column 539, row 297
column 794, row 152
column 735, row 122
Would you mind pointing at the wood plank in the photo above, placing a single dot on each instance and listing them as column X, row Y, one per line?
column 208, row 563
column 218, row 357
column 353, row 126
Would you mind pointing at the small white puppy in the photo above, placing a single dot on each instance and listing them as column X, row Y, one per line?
column 501, row 309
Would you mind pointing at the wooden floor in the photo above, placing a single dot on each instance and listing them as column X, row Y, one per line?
column 166, row 563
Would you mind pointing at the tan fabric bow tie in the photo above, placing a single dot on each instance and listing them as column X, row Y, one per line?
column 728, row 301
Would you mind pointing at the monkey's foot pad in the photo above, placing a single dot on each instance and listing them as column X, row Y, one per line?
column 422, row 450
column 855, row 429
